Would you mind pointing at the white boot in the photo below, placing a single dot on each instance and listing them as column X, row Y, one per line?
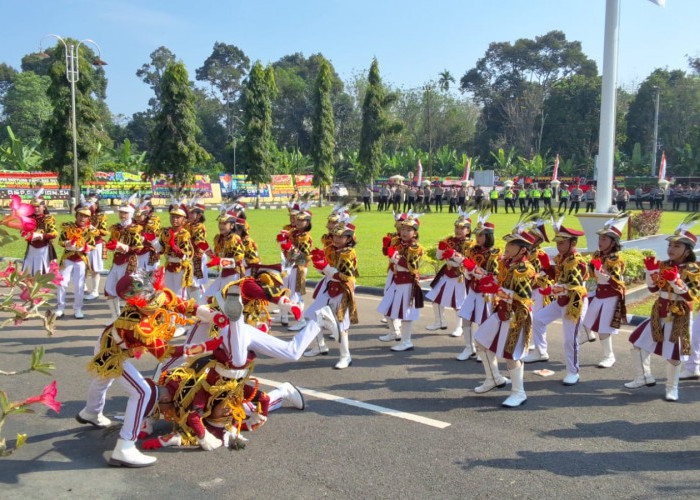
column 291, row 394
column 642, row 364
column 459, row 330
column 493, row 376
column 98, row 420
column 470, row 350
column 114, row 309
column 125, row 453
column 345, row 359
column 608, row 357
column 440, row 323
column 517, row 391
column 406, row 331
column 284, row 319
column 394, row 334
column 673, row 373
column 328, row 321
column 319, row 347
column 95, row 292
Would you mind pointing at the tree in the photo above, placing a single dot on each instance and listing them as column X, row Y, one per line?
column 17, row 155
column 322, row 139
column 445, row 80
column 174, row 149
column 7, row 77
column 224, row 69
column 152, row 73
column 56, row 135
column 512, row 81
column 503, row 162
column 375, row 124
column 26, row 106
column 257, row 147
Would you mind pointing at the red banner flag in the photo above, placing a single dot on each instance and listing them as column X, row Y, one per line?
column 419, row 176
column 467, row 166
column 556, row 169
column 662, row 166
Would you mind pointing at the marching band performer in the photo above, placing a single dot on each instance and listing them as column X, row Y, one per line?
column 250, row 248
column 667, row 333
column 392, row 240
column 483, row 260
column 40, row 250
column 296, row 247
column 506, row 332
column 96, row 257
column 144, row 326
column 606, row 306
column 228, row 253
column 77, row 238
column 339, row 293
column 125, row 241
column 198, row 234
column 569, row 274
column 147, row 258
column 404, row 297
column 448, row 288
column 176, row 244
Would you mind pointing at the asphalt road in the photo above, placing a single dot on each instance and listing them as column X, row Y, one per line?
column 592, row 440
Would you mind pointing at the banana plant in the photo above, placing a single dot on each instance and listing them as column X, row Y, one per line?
column 503, row 163
column 19, row 156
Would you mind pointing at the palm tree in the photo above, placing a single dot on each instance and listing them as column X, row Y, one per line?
column 445, row 80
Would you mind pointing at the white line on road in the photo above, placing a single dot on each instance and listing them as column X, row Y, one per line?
column 366, row 406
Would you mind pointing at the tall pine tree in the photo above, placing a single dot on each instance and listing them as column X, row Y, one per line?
column 174, row 149
column 323, row 132
column 257, row 148
column 375, row 124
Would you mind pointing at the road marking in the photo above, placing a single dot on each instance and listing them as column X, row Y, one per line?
column 365, row 406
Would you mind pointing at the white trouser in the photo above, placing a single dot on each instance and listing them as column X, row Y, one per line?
column 173, row 281
column 37, row 260
column 72, row 272
column 139, row 395
column 198, row 334
column 545, row 316
column 693, row 362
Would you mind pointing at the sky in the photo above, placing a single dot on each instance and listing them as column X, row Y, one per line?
column 413, row 41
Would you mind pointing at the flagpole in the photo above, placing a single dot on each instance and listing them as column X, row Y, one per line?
column 606, row 140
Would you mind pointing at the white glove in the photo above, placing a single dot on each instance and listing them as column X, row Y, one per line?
column 679, row 287
column 456, row 259
column 558, row 290
column 172, row 440
column 329, row 271
column 122, row 247
column 601, row 277
column 70, row 247
column 205, row 314
column 438, row 254
column 37, row 236
column 394, row 259
column 650, row 278
column 209, row 442
column 255, row 420
column 505, row 295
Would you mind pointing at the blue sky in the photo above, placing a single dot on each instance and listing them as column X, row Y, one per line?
column 413, row 41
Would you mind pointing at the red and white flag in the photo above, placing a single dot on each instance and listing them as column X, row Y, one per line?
column 467, row 166
column 419, row 176
column 556, row 169
column 662, row 167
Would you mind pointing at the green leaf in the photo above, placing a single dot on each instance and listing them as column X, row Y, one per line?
column 21, row 439
column 4, row 403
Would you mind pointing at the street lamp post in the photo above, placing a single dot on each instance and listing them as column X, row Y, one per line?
column 72, row 54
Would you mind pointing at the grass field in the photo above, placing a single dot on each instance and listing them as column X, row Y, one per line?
column 371, row 227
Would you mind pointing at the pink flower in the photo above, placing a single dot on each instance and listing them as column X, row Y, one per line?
column 8, row 270
column 21, row 310
column 54, row 269
column 48, row 397
column 20, row 218
column 25, row 295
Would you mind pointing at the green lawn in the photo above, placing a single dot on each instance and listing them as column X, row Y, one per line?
column 371, row 227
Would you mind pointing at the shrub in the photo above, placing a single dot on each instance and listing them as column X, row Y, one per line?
column 646, row 223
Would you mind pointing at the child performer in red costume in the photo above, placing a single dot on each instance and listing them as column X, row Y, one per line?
column 448, row 288
column 506, row 332
column 404, row 298
column 667, row 333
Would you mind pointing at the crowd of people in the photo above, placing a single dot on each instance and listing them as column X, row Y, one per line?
column 159, row 289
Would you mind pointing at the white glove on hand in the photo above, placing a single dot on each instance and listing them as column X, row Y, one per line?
column 255, row 420
column 37, row 236
column 205, row 314
column 70, row 247
column 438, row 254
column 122, row 247
column 601, row 277
column 456, row 259
column 650, row 278
column 209, row 442
column 558, row 290
column 233, row 440
column 505, row 295
column 329, row 271
column 678, row 286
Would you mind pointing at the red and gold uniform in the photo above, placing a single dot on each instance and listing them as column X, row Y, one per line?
column 176, row 245
column 40, row 250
